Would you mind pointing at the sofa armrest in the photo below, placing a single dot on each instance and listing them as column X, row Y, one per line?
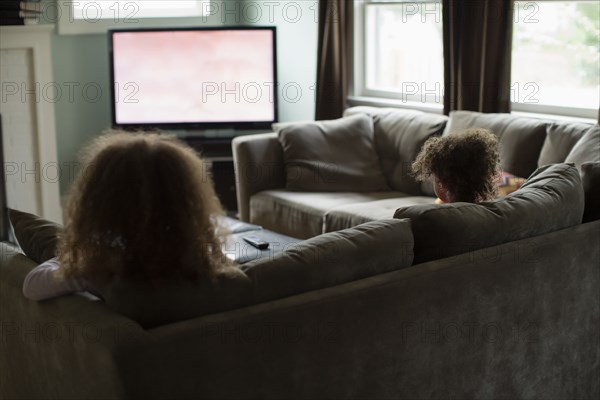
column 55, row 348
column 258, row 162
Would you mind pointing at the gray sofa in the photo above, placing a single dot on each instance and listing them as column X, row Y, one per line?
column 496, row 300
column 264, row 166
column 517, row 320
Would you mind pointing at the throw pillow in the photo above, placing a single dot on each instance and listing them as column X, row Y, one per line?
column 560, row 139
column 590, row 177
column 586, row 149
column 37, row 237
column 331, row 156
column 333, row 258
column 508, row 183
column 521, row 139
column 550, row 200
column 399, row 136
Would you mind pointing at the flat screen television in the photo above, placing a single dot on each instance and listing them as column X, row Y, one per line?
column 193, row 78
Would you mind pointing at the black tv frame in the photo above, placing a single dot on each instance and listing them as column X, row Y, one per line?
column 194, row 125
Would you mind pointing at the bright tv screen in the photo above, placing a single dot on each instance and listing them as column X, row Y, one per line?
column 194, row 78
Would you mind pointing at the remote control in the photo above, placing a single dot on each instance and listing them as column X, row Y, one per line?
column 256, row 242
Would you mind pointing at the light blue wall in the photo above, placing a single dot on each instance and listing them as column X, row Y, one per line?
column 297, row 30
column 81, row 62
column 82, row 106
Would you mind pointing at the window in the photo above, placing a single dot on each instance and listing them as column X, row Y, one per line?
column 96, row 16
column 401, row 57
column 556, row 58
column 116, row 9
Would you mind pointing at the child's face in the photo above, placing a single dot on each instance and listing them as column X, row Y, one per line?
column 439, row 190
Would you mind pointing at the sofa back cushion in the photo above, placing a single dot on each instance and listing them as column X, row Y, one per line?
column 37, row 237
column 550, row 200
column 331, row 156
column 333, row 258
column 150, row 306
column 587, row 149
column 521, row 138
column 560, row 140
column 399, row 136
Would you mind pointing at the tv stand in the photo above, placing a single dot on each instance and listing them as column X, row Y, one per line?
column 216, row 151
column 212, row 133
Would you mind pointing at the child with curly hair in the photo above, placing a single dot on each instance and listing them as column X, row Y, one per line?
column 141, row 232
column 464, row 166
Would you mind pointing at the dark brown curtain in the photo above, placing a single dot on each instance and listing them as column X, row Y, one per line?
column 3, row 209
column 335, row 39
column 477, row 53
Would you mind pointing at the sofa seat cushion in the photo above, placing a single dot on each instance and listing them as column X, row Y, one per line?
column 521, row 138
column 399, row 136
column 301, row 214
column 550, row 200
column 332, row 259
column 331, row 156
column 350, row 215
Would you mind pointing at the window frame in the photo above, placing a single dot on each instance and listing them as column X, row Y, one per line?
column 360, row 94
column 63, row 13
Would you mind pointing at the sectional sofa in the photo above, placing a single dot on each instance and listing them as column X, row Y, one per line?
column 498, row 300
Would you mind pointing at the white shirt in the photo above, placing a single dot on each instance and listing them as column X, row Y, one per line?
column 46, row 281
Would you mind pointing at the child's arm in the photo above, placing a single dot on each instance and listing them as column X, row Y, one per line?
column 45, row 281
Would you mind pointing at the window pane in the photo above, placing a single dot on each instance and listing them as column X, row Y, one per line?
column 555, row 56
column 131, row 9
column 404, row 50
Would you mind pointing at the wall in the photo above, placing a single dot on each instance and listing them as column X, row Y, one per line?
column 81, row 70
column 297, row 30
column 84, row 112
column 82, row 102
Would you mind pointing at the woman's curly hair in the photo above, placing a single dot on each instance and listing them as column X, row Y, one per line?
column 465, row 163
column 142, row 207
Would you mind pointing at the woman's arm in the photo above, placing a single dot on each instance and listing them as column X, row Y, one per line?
column 45, row 281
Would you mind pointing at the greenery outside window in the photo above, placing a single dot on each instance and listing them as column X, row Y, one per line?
column 556, row 58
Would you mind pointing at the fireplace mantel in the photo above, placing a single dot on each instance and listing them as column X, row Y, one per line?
column 28, row 121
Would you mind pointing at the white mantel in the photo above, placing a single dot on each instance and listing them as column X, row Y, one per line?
column 28, row 121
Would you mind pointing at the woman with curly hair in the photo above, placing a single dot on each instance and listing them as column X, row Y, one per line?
column 141, row 229
column 464, row 166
